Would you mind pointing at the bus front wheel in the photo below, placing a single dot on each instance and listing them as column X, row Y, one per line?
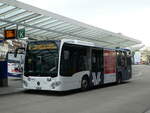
column 85, row 83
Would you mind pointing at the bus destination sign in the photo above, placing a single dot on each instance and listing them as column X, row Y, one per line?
column 42, row 46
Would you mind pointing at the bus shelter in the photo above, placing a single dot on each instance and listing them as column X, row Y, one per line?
column 44, row 25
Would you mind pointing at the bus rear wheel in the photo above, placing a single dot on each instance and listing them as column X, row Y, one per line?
column 85, row 83
column 119, row 79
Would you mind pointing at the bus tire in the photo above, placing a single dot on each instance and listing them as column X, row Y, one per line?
column 119, row 78
column 85, row 83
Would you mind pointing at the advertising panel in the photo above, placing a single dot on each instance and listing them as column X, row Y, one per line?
column 109, row 62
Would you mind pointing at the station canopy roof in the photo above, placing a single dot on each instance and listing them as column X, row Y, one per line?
column 42, row 25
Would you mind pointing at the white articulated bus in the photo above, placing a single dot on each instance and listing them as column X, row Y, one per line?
column 61, row 65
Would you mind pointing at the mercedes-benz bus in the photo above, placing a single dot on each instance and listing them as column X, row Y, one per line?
column 62, row 65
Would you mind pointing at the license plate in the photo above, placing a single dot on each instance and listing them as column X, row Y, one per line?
column 39, row 88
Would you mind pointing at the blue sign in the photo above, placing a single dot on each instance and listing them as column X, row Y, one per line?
column 3, row 69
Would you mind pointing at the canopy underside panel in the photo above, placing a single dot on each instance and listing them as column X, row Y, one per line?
column 43, row 25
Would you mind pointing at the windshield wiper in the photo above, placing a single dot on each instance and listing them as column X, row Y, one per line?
column 52, row 69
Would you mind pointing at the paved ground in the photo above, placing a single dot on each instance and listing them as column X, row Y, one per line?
column 14, row 86
column 130, row 97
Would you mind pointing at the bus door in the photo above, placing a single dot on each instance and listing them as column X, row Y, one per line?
column 125, row 67
column 97, row 66
column 128, row 68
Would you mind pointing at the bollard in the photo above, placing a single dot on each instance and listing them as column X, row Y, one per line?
column 3, row 74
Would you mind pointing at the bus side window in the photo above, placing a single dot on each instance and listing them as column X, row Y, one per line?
column 129, row 62
column 119, row 58
column 93, row 58
column 64, row 62
column 82, row 63
column 73, row 60
column 66, row 54
column 123, row 60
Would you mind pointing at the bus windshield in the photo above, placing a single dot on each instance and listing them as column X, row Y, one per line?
column 41, row 59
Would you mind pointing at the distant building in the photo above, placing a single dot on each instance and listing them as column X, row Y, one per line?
column 145, row 55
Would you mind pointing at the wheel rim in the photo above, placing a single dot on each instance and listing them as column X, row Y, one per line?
column 84, row 84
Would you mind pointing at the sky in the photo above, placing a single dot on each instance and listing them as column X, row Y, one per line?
column 129, row 17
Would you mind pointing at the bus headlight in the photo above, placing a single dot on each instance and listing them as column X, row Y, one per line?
column 48, row 79
column 58, row 83
column 55, row 84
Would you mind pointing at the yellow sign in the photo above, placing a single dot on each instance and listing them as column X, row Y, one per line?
column 42, row 46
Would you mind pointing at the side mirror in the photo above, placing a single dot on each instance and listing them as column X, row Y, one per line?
column 66, row 55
